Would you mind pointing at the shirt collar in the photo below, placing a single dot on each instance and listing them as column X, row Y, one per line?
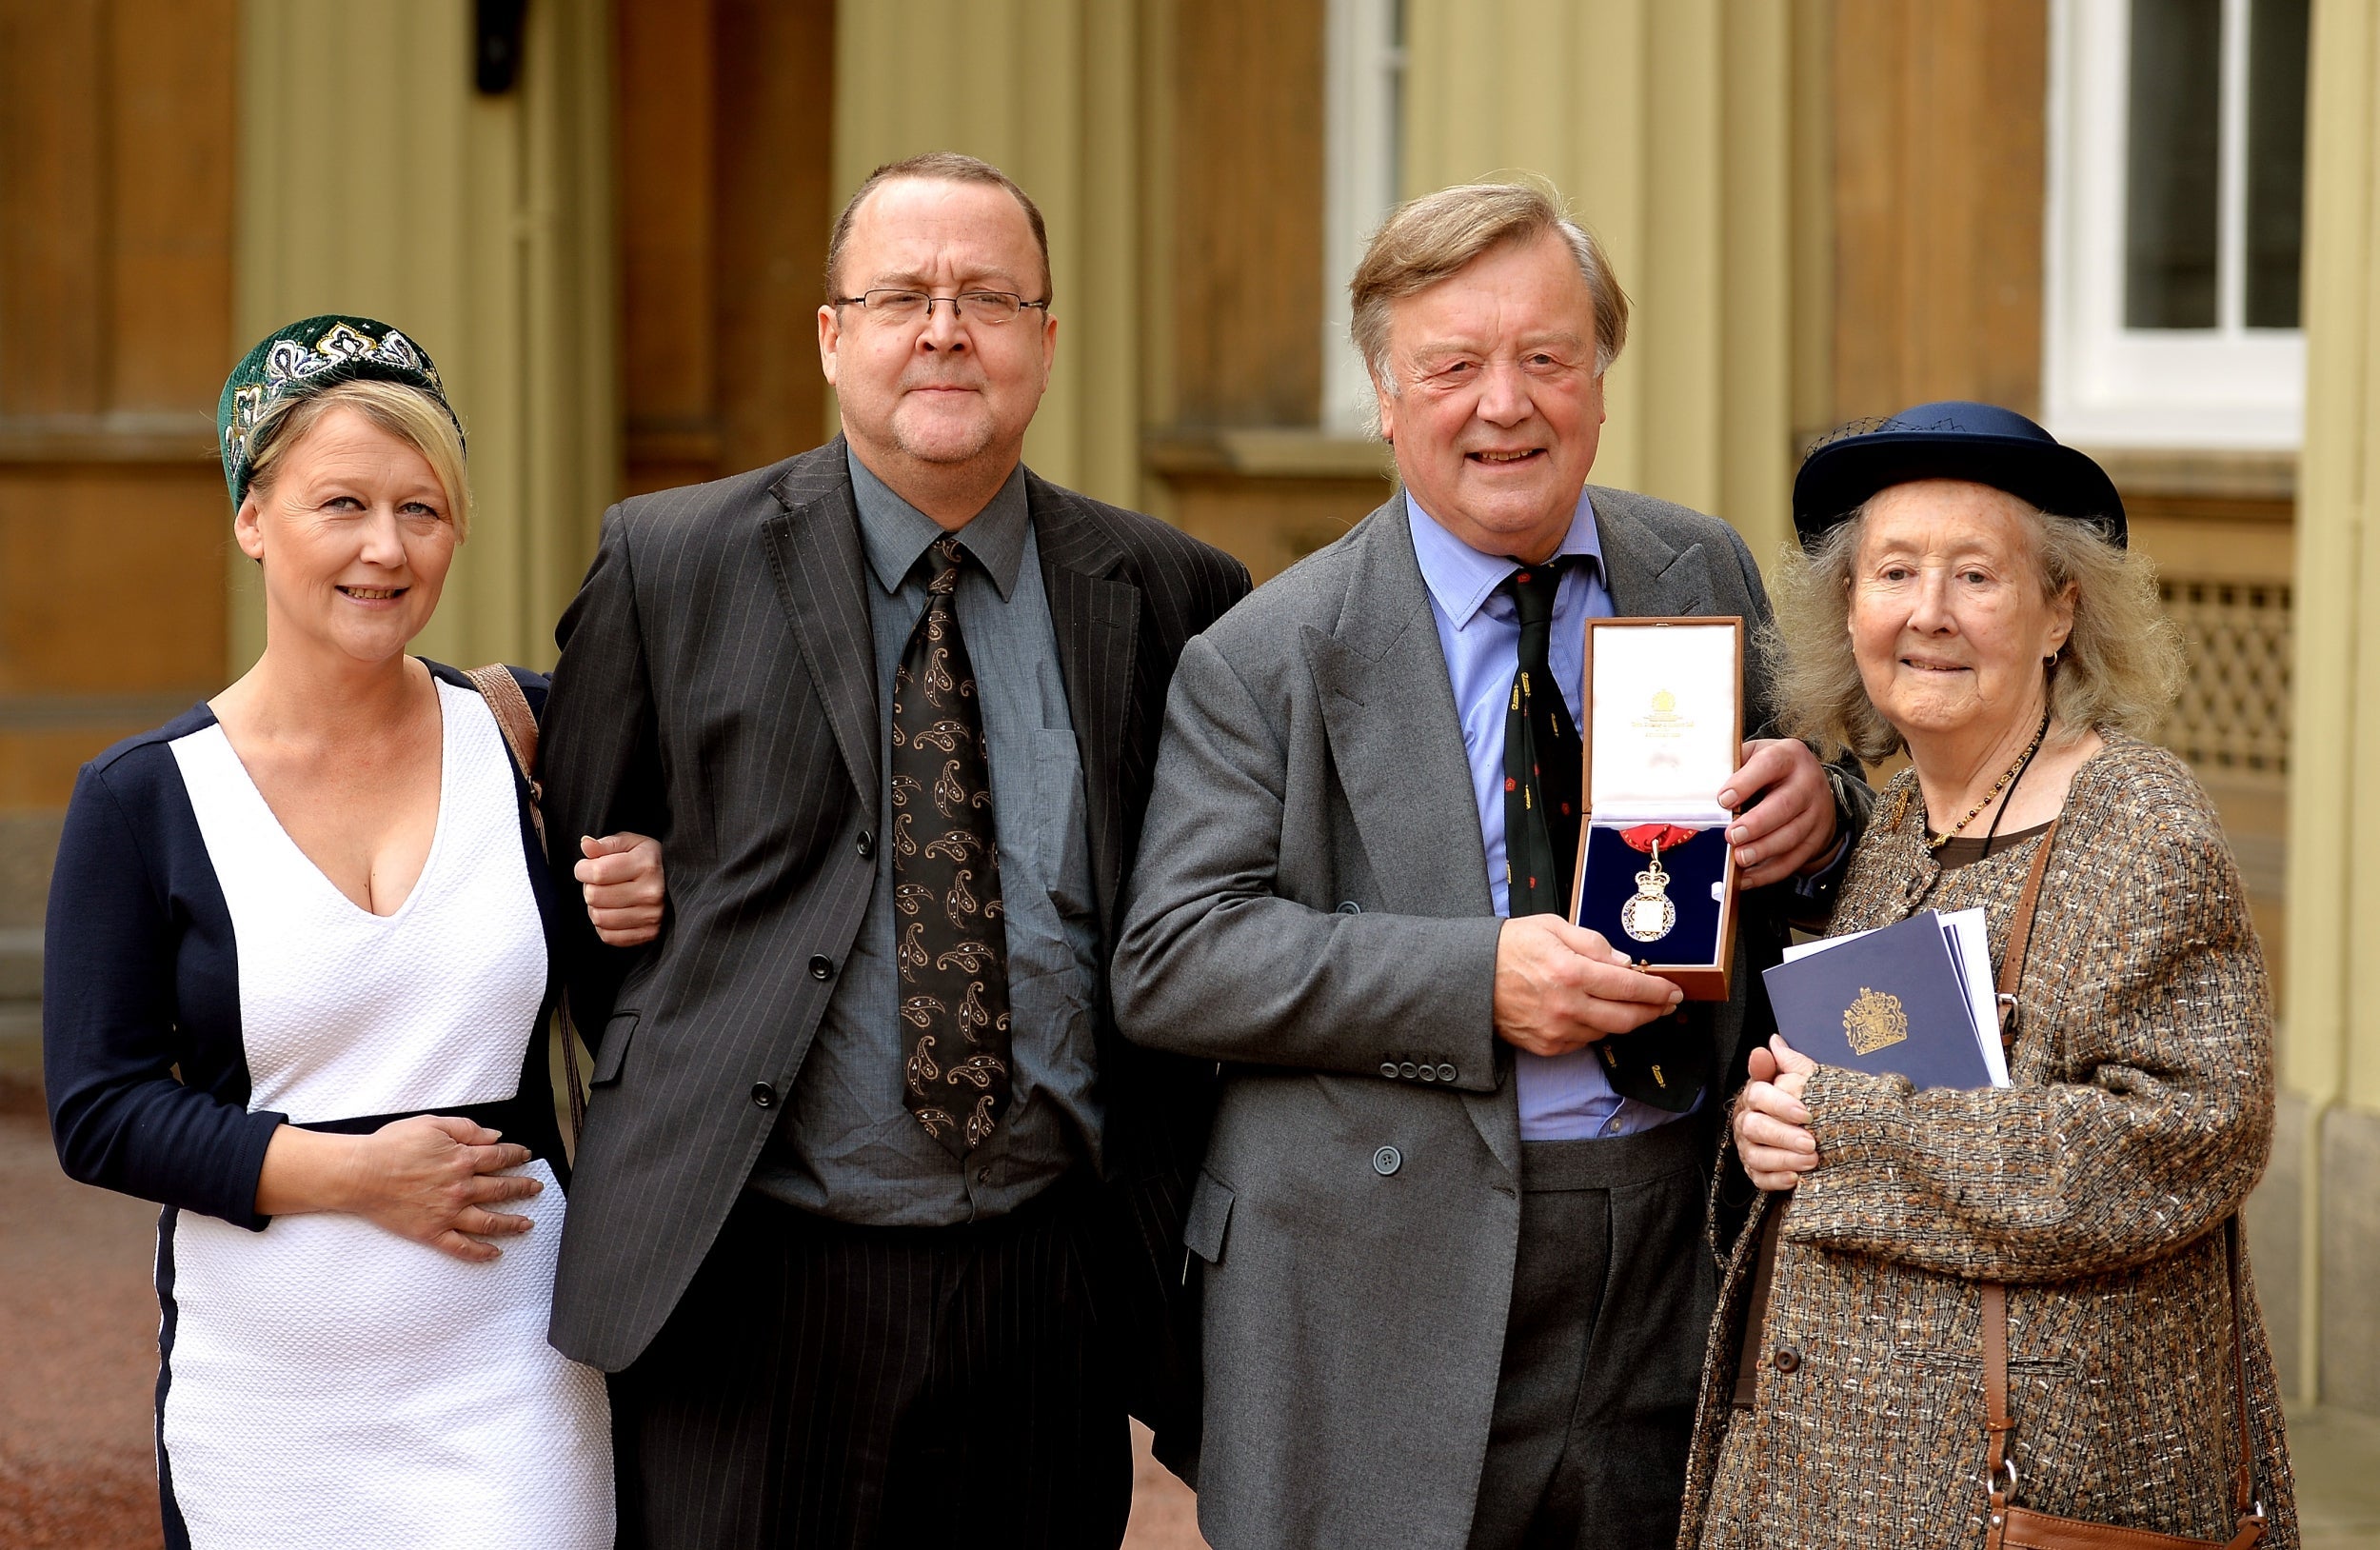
column 1461, row 578
column 894, row 534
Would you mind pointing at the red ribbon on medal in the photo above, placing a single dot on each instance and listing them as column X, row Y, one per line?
column 1668, row 836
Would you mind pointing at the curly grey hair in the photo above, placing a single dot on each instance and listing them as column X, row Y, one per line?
column 2122, row 666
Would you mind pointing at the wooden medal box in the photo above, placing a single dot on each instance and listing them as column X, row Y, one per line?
column 1663, row 730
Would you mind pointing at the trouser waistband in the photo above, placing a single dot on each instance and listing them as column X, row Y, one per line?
column 1613, row 1162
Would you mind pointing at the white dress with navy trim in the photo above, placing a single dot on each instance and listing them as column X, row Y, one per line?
column 328, row 1384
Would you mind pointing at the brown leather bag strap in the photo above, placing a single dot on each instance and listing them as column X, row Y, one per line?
column 2020, row 940
column 1998, row 1424
column 502, row 691
column 2020, row 924
column 2243, row 1472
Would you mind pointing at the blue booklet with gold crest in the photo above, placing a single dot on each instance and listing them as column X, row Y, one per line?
column 1893, row 999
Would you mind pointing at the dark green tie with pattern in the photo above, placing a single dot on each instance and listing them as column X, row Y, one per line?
column 1541, row 776
column 1665, row 1063
column 950, row 941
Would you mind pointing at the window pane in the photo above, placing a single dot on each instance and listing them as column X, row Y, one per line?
column 2277, row 160
column 2172, row 164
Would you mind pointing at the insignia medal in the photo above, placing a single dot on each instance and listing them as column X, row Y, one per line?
column 1651, row 915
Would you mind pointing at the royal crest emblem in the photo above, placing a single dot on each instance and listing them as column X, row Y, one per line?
column 1874, row 1021
column 1662, row 718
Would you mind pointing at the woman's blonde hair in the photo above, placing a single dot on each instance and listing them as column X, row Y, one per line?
column 2121, row 667
column 407, row 413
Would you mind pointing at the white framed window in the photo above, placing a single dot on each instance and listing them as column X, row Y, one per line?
column 2175, row 223
column 1364, row 69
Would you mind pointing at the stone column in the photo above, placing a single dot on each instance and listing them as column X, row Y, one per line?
column 375, row 178
column 2330, row 1051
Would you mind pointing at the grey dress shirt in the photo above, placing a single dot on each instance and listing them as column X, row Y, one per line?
column 848, row 1148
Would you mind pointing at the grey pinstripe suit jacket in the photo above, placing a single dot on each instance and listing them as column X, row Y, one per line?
column 715, row 689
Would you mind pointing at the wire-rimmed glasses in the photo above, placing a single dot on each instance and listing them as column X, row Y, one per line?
column 896, row 308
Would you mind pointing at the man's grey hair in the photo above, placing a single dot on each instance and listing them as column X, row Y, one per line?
column 1431, row 237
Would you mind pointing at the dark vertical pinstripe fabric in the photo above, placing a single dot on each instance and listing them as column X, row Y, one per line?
column 715, row 690
column 831, row 1386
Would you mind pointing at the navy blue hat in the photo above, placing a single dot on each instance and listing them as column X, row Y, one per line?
column 1952, row 440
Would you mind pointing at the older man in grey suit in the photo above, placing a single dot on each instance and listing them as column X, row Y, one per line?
column 1452, row 1207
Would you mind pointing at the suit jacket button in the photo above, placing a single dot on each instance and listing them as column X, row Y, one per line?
column 1446, row 1073
column 867, row 844
column 1407, row 1070
column 1429, row 1072
column 1387, row 1161
column 1348, row 907
column 1787, row 1359
column 763, row 1095
column 821, row 968
column 1388, row 1069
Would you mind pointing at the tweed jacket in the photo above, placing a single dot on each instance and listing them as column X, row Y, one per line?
column 2139, row 1118
column 1312, row 909
column 717, row 688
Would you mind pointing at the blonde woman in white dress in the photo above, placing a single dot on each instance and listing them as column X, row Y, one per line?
column 297, row 983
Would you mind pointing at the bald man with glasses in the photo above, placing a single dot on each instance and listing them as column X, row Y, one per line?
column 876, row 1221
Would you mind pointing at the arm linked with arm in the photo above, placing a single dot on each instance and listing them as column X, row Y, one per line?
column 1214, row 963
column 600, row 760
column 1806, row 901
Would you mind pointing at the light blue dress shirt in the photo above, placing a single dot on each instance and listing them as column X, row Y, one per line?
column 1562, row 1096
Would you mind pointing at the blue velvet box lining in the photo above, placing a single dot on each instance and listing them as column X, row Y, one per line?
column 1697, row 875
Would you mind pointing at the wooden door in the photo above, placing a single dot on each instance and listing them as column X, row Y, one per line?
column 116, row 152
column 725, row 125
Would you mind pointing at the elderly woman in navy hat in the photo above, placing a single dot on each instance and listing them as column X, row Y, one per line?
column 1968, row 1318
column 299, row 971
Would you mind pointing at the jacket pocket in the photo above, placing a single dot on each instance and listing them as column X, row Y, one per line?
column 613, row 1053
column 1203, row 1231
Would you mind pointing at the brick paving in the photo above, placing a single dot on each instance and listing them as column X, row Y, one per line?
column 79, row 1322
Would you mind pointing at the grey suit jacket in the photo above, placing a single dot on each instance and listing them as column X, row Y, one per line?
column 1312, row 908
column 715, row 689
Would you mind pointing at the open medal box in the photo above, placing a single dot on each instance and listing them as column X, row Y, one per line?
column 1662, row 732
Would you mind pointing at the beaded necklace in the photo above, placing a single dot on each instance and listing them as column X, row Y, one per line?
column 1935, row 842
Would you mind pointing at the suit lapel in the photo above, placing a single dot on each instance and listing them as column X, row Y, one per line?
column 812, row 542
column 1647, row 578
column 1096, row 619
column 1396, row 735
column 1396, row 742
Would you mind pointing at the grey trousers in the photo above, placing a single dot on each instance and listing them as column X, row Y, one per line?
column 1611, row 1298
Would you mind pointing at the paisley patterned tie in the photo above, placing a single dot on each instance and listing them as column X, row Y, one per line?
column 949, row 939
column 1543, row 781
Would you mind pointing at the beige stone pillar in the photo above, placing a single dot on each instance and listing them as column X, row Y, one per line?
column 1047, row 91
column 374, row 178
column 1672, row 127
column 2330, row 1051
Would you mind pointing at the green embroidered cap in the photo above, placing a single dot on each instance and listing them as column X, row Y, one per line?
column 303, row 357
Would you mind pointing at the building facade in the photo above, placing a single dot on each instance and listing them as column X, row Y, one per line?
column 2150, row 223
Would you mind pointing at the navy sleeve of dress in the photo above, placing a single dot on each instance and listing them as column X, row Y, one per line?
column 141, row 979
